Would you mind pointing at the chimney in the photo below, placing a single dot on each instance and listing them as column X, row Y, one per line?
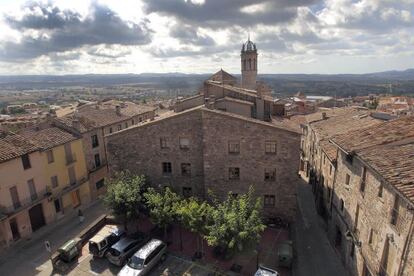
column 118, row 110
column 324, row 117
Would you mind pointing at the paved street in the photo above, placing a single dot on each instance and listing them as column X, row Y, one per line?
column 315, row 256
column 29, row 257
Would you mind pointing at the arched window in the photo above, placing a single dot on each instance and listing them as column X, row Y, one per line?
column 250, row 64
column 244, row 64
column 254, row 64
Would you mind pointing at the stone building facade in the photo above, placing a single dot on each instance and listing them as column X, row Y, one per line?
column 363, row 178
column 318, row 155
column 204, row 149
column 93, row 122
column 372, row 204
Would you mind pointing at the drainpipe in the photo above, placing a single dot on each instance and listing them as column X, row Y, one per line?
column 406, row 246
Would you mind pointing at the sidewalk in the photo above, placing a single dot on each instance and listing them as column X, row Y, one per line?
column 315, row 255
column 29, row 257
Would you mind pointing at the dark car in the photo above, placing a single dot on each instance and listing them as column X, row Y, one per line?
column 119, row 253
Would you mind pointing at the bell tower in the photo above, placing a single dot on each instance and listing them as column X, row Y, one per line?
column 249, row 65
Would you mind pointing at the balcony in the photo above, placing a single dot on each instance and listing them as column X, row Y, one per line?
column 25, row 202
column 70, row 187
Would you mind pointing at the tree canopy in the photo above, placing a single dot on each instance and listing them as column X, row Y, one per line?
column 236, row 222
column 123, row 194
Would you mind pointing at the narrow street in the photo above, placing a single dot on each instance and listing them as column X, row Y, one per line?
column 29, row 257
column 314, row 254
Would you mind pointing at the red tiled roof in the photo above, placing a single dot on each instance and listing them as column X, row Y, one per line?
column 388, row 148
column 222, row 76
column 395, row 163
column 13, row 145
column 91, row 117
column 48, row 137
column 384, row 133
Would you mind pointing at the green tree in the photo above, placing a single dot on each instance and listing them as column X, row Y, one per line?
column 123, row 195
column 236, row 222
column 193, row 215
column 161, row 206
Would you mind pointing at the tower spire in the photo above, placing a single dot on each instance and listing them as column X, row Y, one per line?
column 248, row 35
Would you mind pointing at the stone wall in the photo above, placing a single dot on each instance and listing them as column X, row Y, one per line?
column 374, row 212
column 138, row 149
column 252, row 160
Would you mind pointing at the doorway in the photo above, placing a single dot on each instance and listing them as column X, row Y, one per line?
column 75, row 198
column 58, row 208
column 14, row 229
column 37, row 219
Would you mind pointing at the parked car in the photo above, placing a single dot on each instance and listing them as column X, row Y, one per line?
column 119, row 253
column 285, row 254
column 104, row 239
column 145, row 258
column 264, row 271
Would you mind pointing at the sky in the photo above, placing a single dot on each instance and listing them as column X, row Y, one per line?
column 202, row 36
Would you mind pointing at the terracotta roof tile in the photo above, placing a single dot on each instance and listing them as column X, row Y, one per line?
column 48, row 138
column 388, row 148
column 91, row 117
column 395, row 163
column 14, row 145
column 384, row 133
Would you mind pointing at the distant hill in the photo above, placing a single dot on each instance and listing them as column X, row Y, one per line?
column 285, row 84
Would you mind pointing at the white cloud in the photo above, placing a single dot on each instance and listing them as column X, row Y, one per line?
column 328, row 36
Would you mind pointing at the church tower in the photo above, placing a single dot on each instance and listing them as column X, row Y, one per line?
column 249, row 65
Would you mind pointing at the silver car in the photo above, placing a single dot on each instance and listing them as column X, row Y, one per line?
column 145, row 259
column 119, row 253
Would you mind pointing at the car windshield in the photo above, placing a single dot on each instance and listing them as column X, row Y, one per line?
column 136, row 262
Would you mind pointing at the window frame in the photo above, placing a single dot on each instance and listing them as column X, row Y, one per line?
column 183, row 146
column 164, row 143
column 267, row 198
column 26, row 161
column 166, row 168
column 271, row 147
column 234, row 173
column 50, row 156
column 269, row 174
column 186, row 169
column 233, row 147
column 53, row 183
column 95, row 141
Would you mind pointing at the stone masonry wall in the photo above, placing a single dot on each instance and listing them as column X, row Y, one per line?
column 209, row 132
column 138, row 149
column 374, row 213
column 252, row 160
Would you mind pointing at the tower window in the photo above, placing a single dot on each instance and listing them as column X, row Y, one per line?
column 250, row 64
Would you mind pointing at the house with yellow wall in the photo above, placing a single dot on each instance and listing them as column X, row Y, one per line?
column 43, row 177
